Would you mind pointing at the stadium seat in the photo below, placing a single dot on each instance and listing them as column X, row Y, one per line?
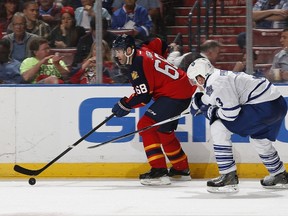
column 267, row 37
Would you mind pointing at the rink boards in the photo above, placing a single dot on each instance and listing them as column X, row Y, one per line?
column 40, row 122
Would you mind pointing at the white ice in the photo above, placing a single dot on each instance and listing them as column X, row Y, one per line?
column 125, row 197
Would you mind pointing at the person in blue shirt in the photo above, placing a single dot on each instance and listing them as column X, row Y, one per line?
column 9, row 68
column 133, row 17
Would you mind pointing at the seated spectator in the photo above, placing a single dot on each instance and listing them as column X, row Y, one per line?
column 43, row 67
column 50, row 12
column 279, row 68
column 153, row 8
column 270, row 14
column 240, row 66
column 33, row 24
column 9, row 68
column 87, row 74
column 66, row 34
column 132, row 16
column 7, row 9
column 84, row 14
column 85, row 42
column 19, row 39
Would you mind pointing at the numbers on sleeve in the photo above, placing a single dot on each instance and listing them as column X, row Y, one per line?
column 219, row 103
column 141, row 89
column 166, row 69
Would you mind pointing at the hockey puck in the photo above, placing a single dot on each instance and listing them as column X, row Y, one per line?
column 32, row 181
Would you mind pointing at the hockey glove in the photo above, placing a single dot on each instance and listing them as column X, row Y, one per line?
column 211, row 113
column 121, row 108
column 196, row 104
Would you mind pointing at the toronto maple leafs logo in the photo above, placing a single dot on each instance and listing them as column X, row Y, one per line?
column 209, row 90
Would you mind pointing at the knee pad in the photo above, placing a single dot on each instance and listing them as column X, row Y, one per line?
column 146, row 121
column 220, row 134
column 263, row 146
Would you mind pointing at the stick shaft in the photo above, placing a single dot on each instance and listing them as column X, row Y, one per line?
column 141, row 130
column 25, row 171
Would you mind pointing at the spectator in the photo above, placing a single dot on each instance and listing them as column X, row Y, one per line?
column 49, row 12
column 9, row 68
column 84, row 14
column 209, row 49
column 7, row 9
column 132, row 16
column 270, row 14
column 43, row 67
column 240, row 66
column 19, row 39
column 153, row 8
column 85, row 42
column 66, row 34
column 279, row 68
column 33, row 24
column 87, row 74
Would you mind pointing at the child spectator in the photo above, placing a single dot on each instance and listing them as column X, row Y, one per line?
column 87, row 74
column 85, row 42
column 66, row 34
column 43, row 67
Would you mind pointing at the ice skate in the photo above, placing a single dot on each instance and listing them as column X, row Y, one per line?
column 279, row 181
column 225, row 183
column 179, row 175
column 156, row 176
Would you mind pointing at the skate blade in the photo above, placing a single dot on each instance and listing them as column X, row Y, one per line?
column 180, row 178
column 225, row 189
column 157, row 181
column 278, row 186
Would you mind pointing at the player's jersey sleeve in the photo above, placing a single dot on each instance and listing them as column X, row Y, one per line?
column 165, row 79
column 220, row 91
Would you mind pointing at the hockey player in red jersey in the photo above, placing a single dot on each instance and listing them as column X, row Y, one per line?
column 152, row 77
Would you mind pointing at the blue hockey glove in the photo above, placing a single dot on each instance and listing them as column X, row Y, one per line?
column 211, row 112
column 121, row 108
column 196, row 104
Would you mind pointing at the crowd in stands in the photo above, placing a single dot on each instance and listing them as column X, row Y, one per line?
column 33, row 28
column 268, row 14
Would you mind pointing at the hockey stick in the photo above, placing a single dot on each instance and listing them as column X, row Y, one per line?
column 141, row 130
column 29, row 172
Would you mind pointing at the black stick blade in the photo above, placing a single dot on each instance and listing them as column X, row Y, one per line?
column 25, row 171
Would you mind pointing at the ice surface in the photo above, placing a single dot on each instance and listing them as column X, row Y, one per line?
column 125, row 197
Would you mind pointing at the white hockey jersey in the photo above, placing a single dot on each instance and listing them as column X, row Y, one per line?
column 230, row 90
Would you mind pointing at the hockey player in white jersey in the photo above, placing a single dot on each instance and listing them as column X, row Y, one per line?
column 245, row 105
